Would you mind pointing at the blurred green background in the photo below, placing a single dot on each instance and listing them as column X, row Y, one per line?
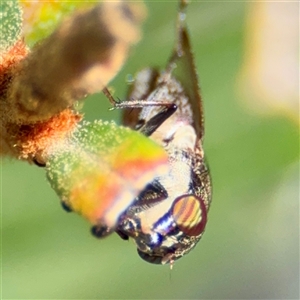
column 251, row 246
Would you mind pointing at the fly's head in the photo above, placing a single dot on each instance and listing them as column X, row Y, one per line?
column 169, row 216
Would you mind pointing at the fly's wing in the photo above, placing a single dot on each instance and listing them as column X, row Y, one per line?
column 182, row 67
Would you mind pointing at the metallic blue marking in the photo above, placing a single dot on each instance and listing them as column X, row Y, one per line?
column 164, row 225
column 155, row 239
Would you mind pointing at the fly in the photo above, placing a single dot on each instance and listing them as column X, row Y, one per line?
column 169, row 216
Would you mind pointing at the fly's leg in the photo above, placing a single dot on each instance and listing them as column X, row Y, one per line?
column 101, row 231
column 122, row 235
column 65, row 206
column 147, row 128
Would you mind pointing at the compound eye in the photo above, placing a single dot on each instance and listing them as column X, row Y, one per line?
column 189, row 213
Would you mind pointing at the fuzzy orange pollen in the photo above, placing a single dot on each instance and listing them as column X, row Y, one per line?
column 35, row 139
column 25, row 141
column 8, row 62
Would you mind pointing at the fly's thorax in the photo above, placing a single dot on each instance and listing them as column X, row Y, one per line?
column 175, row 134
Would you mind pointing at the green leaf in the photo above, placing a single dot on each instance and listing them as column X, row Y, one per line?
column 101, row 166
column 10, row 24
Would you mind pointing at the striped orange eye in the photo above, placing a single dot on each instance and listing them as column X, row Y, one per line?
column 189, row 213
